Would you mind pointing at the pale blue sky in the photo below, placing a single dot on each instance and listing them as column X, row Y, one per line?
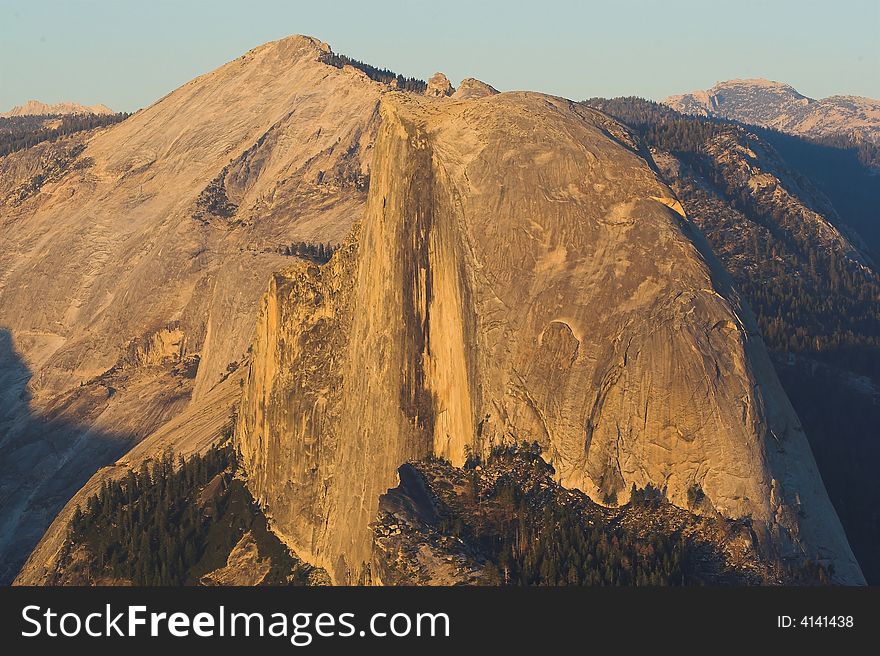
column 128, row 54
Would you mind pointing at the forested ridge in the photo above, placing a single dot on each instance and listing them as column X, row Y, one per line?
column 20, row 132
column 171, row 522
column 550, row 543
column 807, row 299
column 507, row 516
column 377, row 74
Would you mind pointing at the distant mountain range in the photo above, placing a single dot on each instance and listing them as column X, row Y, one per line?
column 781, row 107
column 37, row 108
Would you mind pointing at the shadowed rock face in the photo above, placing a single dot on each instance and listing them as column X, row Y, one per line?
column 520, row 273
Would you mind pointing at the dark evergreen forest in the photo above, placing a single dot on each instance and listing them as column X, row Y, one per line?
column 378, row 74
column 20, row 132
column 173, row 521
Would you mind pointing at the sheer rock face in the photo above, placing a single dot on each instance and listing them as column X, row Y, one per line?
column 131, row 274
column 520, row 273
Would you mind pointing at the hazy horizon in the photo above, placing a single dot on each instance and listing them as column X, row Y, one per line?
column 127, row 56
